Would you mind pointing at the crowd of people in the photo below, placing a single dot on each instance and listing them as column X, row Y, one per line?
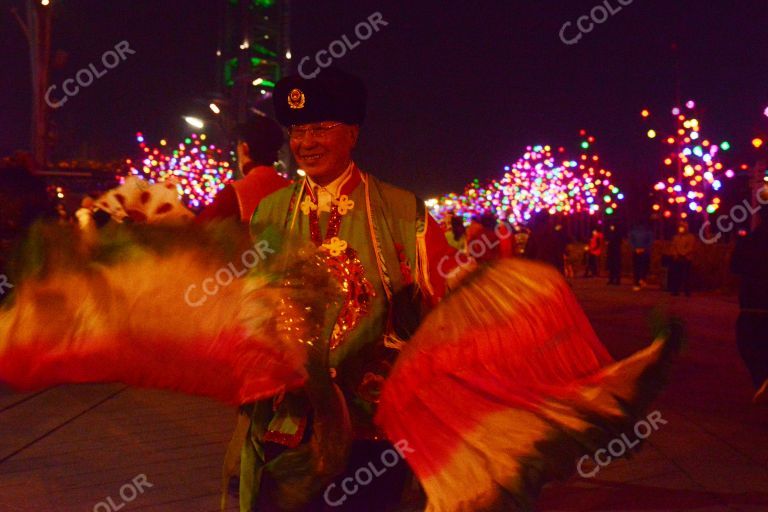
column 546, row 239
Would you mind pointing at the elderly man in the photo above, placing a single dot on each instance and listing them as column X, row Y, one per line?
column 384, row 248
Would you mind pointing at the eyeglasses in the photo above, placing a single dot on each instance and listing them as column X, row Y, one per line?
column 317, row 132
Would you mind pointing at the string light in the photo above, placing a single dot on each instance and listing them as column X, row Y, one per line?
column 538, row 182
column 702, row 171
column 198, row 169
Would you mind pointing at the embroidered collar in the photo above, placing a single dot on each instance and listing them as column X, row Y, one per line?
column 334, row 188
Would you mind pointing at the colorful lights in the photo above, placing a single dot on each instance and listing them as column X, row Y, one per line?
column 539, row 182
column 198, row 169
column 700, row 173
column 757, row 142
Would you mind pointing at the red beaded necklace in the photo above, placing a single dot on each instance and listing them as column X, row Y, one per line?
column 334, row 223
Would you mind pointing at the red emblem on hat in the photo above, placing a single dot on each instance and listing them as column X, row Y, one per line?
column 296, row 99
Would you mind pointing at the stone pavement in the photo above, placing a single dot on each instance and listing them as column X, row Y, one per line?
column 104, row 448
column 712, row 454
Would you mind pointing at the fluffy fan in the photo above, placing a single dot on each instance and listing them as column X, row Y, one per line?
column 505, row 384
column 499, row 390
column 133, row 308
column 142, row 203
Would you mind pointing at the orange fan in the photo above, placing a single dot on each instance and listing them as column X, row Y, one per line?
column 505, row 384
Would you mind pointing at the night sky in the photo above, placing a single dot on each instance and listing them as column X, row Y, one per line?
column 456, row 89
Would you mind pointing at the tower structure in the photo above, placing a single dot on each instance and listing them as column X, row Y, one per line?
column 253, row 53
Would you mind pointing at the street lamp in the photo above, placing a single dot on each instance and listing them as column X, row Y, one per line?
column 195, row 122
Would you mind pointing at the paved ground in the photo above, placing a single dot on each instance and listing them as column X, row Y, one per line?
column 74, row 448
column 712, row 454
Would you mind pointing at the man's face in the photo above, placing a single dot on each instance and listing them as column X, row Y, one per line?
column 324, row 149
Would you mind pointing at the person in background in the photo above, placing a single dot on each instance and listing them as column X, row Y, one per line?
column 258, row 141
column 475, row 228
column 562, row 240
column 641, row 241
column 62, row 215
column 457, row 233
column 683, row 245
column 486, row 246
column 613, row 249
column 84, row 214
column 547, row 244
column 506, row 235
column 749, row 263
column 521, row 236
column 594, row 251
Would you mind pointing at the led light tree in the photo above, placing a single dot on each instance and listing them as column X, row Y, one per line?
column 695, row 172
column 198, row 169
column 542, row 180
